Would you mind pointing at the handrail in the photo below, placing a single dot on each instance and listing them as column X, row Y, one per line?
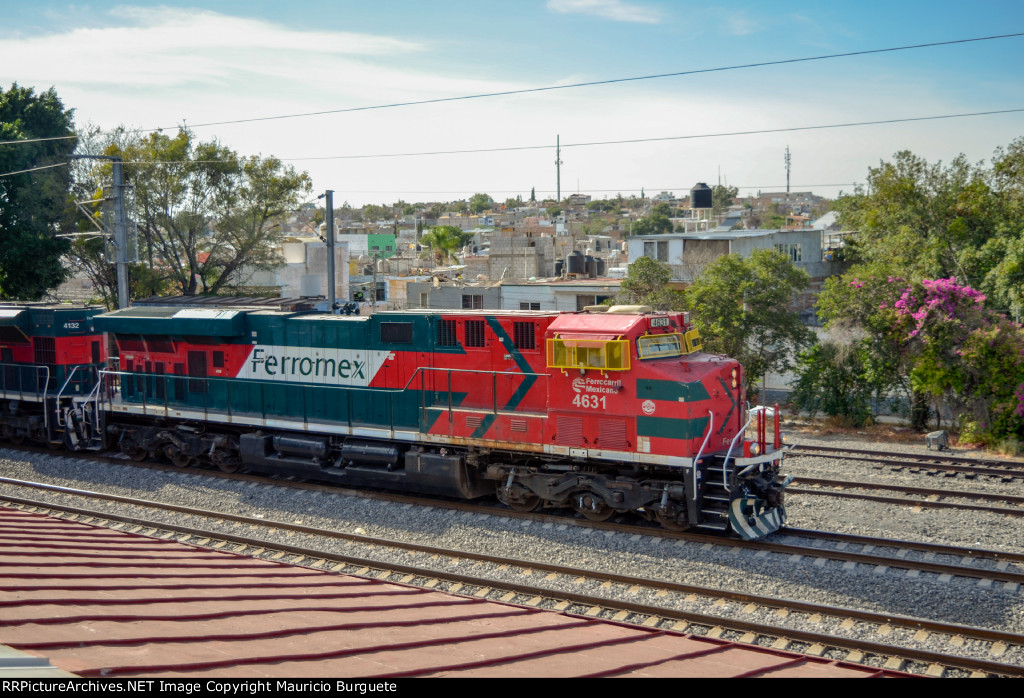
column 60, row 393
column 728, row 454
column 696, row 460
column 46, row 389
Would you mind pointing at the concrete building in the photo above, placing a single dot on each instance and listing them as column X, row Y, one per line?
column 304, row 272
column 546, row 294
column 688, row 254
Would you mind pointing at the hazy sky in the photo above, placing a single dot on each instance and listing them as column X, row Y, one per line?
column 148, row 66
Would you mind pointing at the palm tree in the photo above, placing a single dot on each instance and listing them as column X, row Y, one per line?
column 444, row 240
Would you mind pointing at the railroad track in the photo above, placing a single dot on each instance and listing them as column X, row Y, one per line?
column 783, row 623
column 919, row 497
column 927, row 463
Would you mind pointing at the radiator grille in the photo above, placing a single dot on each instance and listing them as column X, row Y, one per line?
column 612, row 434
column 570, row 431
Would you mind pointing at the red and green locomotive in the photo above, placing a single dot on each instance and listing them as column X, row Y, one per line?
column 50, row 358
column 603, row 412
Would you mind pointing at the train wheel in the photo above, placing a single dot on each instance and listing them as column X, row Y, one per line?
column 228, row 462
column 528, row 504
column 592, row 507
column 136, row 453
column 17, row 439
column 522, row 500
column 174, row 454
column 670, row 523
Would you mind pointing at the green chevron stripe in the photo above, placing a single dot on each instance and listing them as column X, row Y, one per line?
column 671, row 428
column 648, row 389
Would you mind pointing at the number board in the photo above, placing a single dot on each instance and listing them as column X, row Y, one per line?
column 659, row 322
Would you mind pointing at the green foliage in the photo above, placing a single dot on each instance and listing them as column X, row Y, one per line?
column 926, row 220
column 646, row 283
column 920, row 221
column 935, row 340
column 832, row 380
column 206, row 214
column 478, row 203
column 445, row 240
column 553, row 211
column 610, row 206
column 32, row 203
column 656, row 223
column 373, row 213
column 721, row 198
column 743, row 308
column 87, row 256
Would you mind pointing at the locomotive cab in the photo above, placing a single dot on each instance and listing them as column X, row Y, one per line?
column 636, row 385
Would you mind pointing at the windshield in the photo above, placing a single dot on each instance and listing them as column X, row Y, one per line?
column 659, row 346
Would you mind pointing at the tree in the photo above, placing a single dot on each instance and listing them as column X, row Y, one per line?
column 206, row 214
column 533, row 193
column 373, row 213
column 478, row 203
column 656, row 223
column 743, row 308
column 832, row 380
column 721, row 198
column 923, row 220
column 87, row 256
column 445, row 240
column 32, row 204
column 646, row 283
column 553, row 211
column 935, row 339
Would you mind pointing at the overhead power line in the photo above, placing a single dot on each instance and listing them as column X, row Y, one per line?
column 39, row 140
column 34, row 169
column 616, row 142
column 551, row 88
column 587, row 143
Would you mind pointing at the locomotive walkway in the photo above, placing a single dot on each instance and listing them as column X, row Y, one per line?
column 103, row 603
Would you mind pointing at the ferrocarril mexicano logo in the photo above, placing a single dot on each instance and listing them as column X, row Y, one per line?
column 310, row 365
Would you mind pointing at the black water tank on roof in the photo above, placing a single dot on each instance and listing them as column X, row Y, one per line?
column 576, row 263
column 700, row 196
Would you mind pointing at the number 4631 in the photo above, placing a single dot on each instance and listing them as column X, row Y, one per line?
column 591, row 402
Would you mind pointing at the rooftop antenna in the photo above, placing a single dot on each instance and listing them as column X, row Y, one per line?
column 558, row 165
column 787, row 169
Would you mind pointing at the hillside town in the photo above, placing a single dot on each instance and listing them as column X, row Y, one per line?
column 532, row 255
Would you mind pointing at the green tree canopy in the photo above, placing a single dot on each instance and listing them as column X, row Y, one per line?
column 656, row 223
column 478, row 203
column 32, row 204
column 445, row 240
column 722, row 197
column 205, row 213
column 646, row 283
column 743, row 308
column 934, row 339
